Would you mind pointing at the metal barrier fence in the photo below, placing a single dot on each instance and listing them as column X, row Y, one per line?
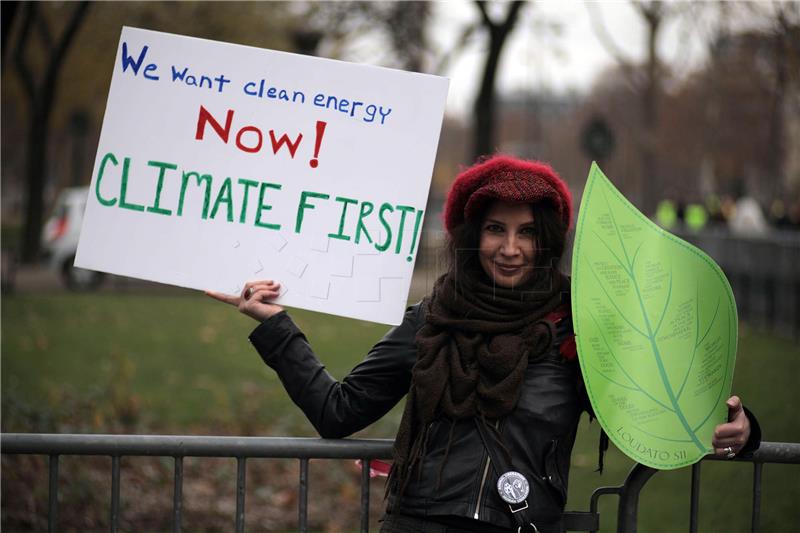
column 304, row 449
column 180, row 446
column 763, row 273
column 628, row 492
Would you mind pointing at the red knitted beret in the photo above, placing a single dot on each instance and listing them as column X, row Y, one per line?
column 507, row 178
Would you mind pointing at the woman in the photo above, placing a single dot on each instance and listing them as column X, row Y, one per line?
column 487, row 360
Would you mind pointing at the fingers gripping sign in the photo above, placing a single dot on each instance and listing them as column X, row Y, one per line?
column 730, row 438
column 255, row 300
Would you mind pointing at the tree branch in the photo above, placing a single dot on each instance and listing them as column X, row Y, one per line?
column 484, row 103
column 61, row 48
column 70, row 31
column 653, row 11
column 605, row 38
column 43, row 28
column 443, row 62
column 487, row 20
column 511, row 16
column 28, row 13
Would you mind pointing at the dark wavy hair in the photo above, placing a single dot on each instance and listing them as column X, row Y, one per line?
column 463, row 242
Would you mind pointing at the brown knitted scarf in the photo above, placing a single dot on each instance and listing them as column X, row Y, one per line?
column 472, row 354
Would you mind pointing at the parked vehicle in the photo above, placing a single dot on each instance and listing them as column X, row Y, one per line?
column 60, row 240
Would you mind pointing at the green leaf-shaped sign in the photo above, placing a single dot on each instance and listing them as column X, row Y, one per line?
column 656, row 328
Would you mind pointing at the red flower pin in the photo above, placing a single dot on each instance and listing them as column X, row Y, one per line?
column 568, row 349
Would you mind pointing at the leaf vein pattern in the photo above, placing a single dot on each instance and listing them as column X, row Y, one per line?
column 656, row 352
column 615, row 382
column 619, row 311
column 697, row 342
column 723, row 380
column 666, row 303
column 616, row 258
column 636, row 386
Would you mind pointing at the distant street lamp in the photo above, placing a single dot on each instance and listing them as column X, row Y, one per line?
column 597, row 140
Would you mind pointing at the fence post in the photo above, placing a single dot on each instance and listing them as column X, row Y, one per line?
column 52, row 513
column 629, row 497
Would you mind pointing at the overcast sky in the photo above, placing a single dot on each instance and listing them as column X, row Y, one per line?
column 536, row 58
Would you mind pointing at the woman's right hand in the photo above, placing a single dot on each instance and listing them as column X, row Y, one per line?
column 255, row 299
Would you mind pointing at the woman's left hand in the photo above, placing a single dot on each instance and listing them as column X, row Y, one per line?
column 255, row 300
column 730, row 438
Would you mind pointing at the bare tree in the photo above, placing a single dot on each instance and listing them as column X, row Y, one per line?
column 485, row 101
column 783, row 28
column 648, row 82
column 7, row 14
column 40, row 92
column 347, row 29
column 752, row 85
column 653, row 14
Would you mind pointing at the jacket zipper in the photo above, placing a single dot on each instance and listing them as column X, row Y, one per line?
column 483, row 479
column 483, row 482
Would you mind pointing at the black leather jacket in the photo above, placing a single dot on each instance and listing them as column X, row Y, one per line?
column 539, row 433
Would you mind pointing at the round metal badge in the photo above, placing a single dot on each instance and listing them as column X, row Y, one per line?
column 513, row 487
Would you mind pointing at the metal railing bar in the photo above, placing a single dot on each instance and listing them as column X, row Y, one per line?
column 627, row 513
column 177, row 496
column 52, row 512
column 196, row 446
column 117, row 446
column 303, row 503
column 756, row 515
column 593, row 502
column 694, row 508
column 114, row 492
column 365, row 495
column 274, row 447
column 768, row 452
column 241, row 468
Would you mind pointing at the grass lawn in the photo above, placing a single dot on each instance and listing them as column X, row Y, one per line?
column 178, row 362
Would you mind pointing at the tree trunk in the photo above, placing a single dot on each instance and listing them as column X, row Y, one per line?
column 8, row 10
column 484, row 108
column 40, row 104
column 650, row 179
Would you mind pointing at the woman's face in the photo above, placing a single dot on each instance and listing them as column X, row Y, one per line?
column 508, row 243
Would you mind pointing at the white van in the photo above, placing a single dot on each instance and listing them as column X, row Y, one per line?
column 60, row 240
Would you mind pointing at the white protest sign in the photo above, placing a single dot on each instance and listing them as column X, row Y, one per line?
column 221, row 163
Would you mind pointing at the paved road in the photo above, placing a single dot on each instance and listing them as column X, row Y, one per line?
column 39, row 278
